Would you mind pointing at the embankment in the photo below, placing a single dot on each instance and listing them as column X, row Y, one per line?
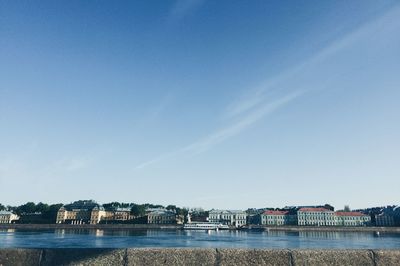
column 176, row 227
column 325, row 228
column 89, row 226
column 174, row 256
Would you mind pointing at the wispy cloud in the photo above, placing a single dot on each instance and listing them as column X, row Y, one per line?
column 224, row 133
column 257, row 104
column 263, row 110
column 182, row 8
column 255, row 97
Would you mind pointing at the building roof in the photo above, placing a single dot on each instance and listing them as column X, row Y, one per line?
column 161, row 212
column 350, row 214
column 227, row 211
column 276, row 212
column 314, row 210
column 123, row 209
column 5, row 212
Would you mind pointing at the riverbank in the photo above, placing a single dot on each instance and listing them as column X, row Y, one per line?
column 91, row 226
column 178, row 227
column 176, row 256
column 324, row 228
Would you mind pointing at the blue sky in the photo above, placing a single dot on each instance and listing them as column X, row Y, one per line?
column 224, row 104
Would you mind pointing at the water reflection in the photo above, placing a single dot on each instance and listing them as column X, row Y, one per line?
column 179, row 238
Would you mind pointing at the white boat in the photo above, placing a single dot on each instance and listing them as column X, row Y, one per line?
column 204, row 226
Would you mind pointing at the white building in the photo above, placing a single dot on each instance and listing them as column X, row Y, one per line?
column 161, row 216
column 316, row 217
column 229, row 217
column 7, row 217
column 277, row 218
column 352, row 219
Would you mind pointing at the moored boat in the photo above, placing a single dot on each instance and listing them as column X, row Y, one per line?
column 204, row 226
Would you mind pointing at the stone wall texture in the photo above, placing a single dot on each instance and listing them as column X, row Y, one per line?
column 183, row 256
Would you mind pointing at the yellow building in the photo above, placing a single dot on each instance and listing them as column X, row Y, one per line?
column 78, row 212
column 89, row 212
column 7, row 217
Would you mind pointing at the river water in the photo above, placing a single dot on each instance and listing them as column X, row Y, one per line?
column 95, row 238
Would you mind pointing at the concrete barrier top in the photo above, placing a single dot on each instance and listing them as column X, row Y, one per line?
column 183, row 256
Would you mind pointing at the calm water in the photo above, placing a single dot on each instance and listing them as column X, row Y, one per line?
column 80, row 238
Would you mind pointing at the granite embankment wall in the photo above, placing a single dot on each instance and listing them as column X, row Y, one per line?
column 89, row 226
column 171, row 256
column 176, row 227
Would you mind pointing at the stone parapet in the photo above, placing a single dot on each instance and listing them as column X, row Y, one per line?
column 193, row 256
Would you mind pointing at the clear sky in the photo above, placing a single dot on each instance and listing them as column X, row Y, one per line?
column 224, row 104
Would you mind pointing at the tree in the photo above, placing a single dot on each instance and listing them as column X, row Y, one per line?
column 2, row 207
column 28, row 207
column 171, row 207
column 138, row 210
column 346, row 208
column 50, row 215
column 112, row 205
column 41, row 207
column 182, row 211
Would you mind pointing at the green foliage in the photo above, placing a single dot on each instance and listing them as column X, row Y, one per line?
column 43, row 213
column 182, row 211
column 29, row 207
column 115, row 205
column 138, row 210
column 171, row 207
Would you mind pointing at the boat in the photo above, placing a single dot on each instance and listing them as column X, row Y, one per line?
column 204, row 226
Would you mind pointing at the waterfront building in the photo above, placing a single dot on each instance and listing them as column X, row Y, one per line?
column 235, row 218
column 89, row 212
column 98, row 213
column 161, row 216
column 122, row 214
column 384, row 219
column 78, row 212
column 352, row 219
column 276, row 218
column 7, row 217
column 316, row 217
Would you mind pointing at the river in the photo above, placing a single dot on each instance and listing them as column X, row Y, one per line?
column 98, row 238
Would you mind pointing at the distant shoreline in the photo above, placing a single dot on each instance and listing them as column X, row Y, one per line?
column 296, row 228
column 179, row 227
column 91, row 226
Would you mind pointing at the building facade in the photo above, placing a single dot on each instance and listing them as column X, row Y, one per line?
column 80, row 212
column 384, row 220
column 91, row 214
column 325, row 217
column 161, row 216
column 7, row 217
column 235, row 218
column 315, row 217
column 277, row 218
column 73, row 216
column 352, row 219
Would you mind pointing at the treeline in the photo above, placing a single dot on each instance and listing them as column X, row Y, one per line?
column 42, row 213
column 34, row 213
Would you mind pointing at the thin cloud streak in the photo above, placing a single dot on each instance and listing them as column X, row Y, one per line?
column 255, row 106
column 225, row 133
column 221, row 135
column 255, row 97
